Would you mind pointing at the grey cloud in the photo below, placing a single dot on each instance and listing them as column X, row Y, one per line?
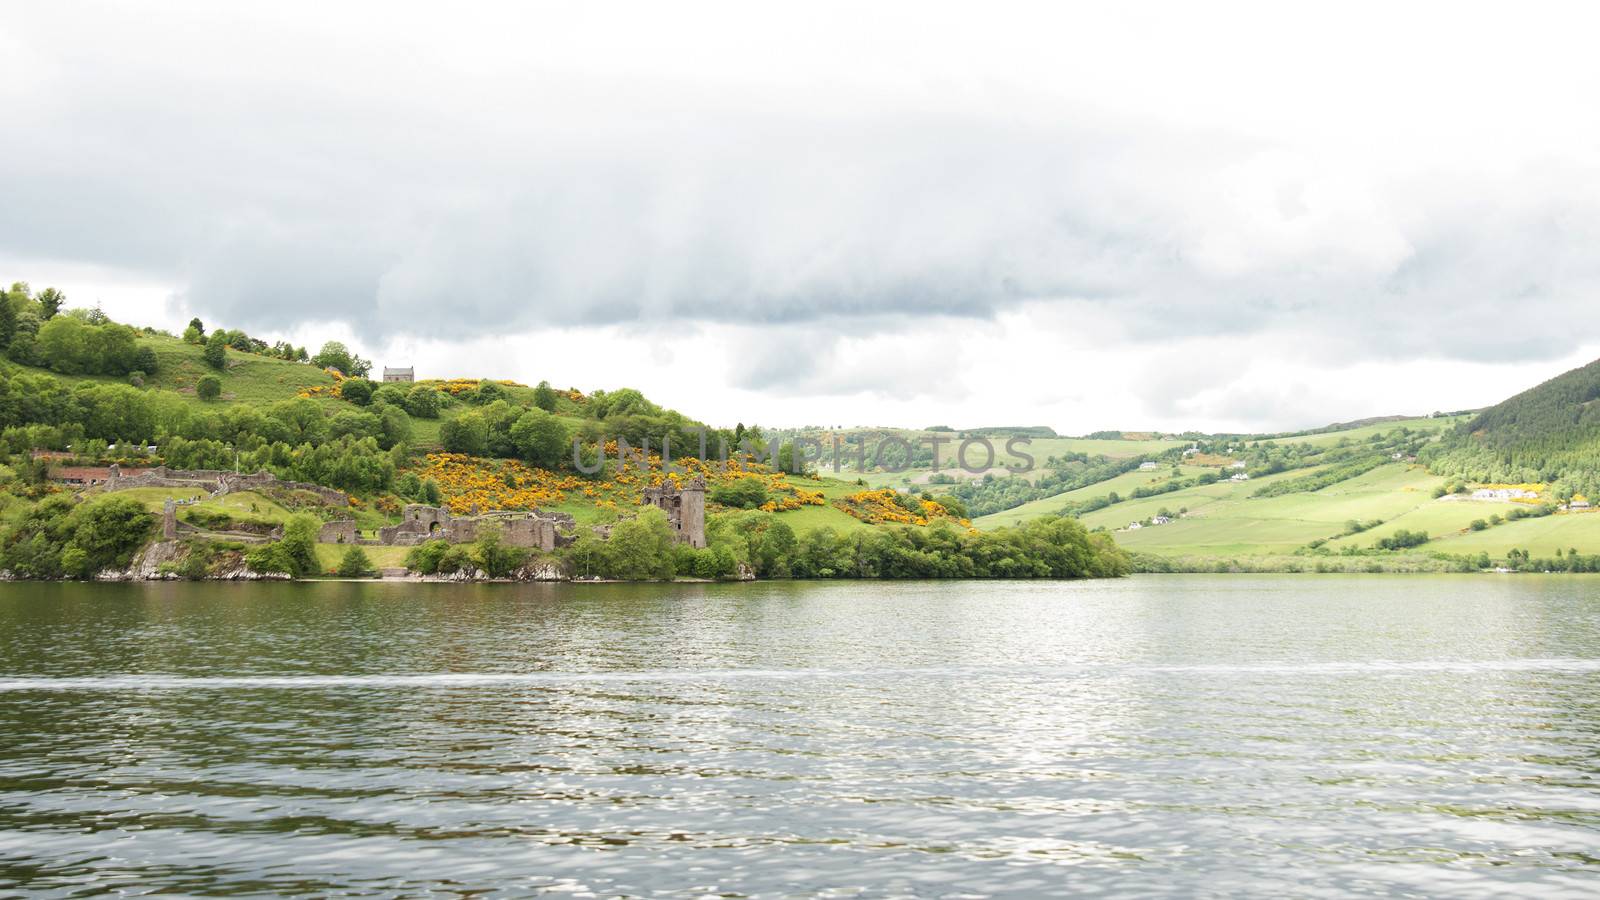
column 451, row 210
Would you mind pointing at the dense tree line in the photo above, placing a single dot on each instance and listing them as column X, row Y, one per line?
column 1325, row 478
column 1067, row 472
column 1548, row 433
column 769, row 548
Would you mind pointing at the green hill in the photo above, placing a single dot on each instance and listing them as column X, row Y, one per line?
column 1548, row 433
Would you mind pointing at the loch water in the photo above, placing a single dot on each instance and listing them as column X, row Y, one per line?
column 1156, row 735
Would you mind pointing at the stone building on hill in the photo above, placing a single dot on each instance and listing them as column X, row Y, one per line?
column 405, row 376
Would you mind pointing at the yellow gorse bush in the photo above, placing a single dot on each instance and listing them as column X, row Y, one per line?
column 883, row 506
column 467, row 482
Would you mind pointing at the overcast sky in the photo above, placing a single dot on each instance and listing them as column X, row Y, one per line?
column 1161, row 216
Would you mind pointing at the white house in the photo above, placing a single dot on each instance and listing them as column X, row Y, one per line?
column 1134, row 526
column 1148, row 466
column 1237, row 465
column 1504, row 494
column 1159, row 520
column 1239, row 476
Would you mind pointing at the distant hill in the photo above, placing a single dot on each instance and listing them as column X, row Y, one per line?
column 1547, row 433
column 1035, row 431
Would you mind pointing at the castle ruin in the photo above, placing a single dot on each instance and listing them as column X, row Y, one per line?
column 420, row 523
column 685, row 508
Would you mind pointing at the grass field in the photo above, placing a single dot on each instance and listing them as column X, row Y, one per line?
column 1541, row 537
column 1225, row 520
column 1328, row 439
column 328, row 555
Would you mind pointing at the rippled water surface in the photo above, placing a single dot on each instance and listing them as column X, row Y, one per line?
column 1207, row 735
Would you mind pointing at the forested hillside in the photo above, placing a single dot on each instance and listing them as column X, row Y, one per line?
column 1549, row 433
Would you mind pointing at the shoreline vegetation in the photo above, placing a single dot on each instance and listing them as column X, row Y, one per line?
column 133, row 454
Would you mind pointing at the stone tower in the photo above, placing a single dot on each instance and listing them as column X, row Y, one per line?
column 685, row 508
column 692, row 513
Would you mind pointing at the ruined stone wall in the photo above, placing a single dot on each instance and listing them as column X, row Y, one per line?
column 218, row 481
column 340, row 531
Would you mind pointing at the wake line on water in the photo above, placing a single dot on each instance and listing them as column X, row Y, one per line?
column 445, row 680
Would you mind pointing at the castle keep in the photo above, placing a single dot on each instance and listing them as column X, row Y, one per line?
column 685, row 508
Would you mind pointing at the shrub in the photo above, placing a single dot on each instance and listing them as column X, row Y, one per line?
column 208, row 519
column 544, row 397
column 498, row 559
column 540, row 438
column 209, row 387
column 1402, row 539
column 356, row 390
column 423, row 402
column 216, row 352
column 355, row 564
column 425, row 557
column 747, row 492
column 295, row 554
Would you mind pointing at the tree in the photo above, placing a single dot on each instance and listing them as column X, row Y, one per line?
column 467, row 433
column 50, row 301
column 108, row 530
column 544, row 397
column 497, row 558
column 423, row 402
column 355, row 564
column 299, row 542
column 193, row 335
column 540, row 438
column 641, row 547
column 356, row 390
column 488, row 392
column 8, row 323
column 395, row 427
column 209, row 387
column 335, row 355
column 216, row 352
column 430, row 492
column 197, row 326
column 145, row 360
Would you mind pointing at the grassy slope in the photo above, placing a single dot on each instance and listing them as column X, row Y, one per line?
column 1541, row 537
column 1225, row 520
column 1364, row 432
column 247, row 377
column 1123, row 484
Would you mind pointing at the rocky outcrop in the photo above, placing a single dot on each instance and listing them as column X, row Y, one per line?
column 541, row 570
column 148, row 565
